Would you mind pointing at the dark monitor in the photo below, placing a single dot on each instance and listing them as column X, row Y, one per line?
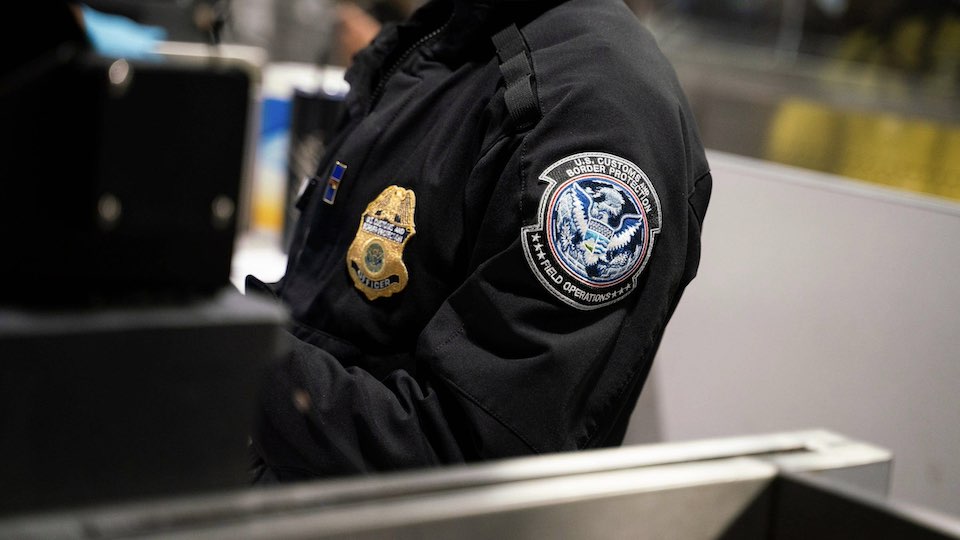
column 119, row 176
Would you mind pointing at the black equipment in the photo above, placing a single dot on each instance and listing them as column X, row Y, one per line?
column 128, row 403
column 129, row 368
column 119, row 176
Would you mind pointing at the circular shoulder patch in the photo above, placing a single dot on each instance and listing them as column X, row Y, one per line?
column 595, row 229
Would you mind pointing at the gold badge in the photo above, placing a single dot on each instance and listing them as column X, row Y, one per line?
column 375, row 258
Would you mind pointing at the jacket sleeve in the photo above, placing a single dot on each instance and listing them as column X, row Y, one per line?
column 506, row 366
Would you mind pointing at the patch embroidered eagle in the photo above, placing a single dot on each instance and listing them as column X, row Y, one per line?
column 597, row 221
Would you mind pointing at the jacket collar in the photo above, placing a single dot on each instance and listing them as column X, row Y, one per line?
column 467, row 26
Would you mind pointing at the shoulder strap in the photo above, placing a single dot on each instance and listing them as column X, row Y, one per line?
column 517, row 70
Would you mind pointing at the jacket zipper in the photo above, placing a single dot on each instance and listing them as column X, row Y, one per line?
column 374, row 98
column 381, row 86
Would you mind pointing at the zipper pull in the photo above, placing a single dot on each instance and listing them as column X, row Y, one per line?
column 307, row 186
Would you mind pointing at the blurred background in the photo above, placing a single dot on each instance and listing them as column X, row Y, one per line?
column 862, row 89
column 826, row 293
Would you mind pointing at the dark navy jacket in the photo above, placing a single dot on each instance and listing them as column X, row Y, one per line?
column 551, row 203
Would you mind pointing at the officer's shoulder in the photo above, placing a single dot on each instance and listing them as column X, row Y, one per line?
column 601, row 47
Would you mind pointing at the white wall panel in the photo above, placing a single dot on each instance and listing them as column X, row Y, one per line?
column 820, row 303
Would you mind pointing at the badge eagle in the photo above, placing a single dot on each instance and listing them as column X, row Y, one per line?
column 375, row 258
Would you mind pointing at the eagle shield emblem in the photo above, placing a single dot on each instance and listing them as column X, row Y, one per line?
column 597, row 221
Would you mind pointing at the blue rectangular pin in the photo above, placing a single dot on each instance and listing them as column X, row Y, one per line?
column 333, row 183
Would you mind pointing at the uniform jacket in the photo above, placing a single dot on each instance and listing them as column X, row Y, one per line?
column 507, row 230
